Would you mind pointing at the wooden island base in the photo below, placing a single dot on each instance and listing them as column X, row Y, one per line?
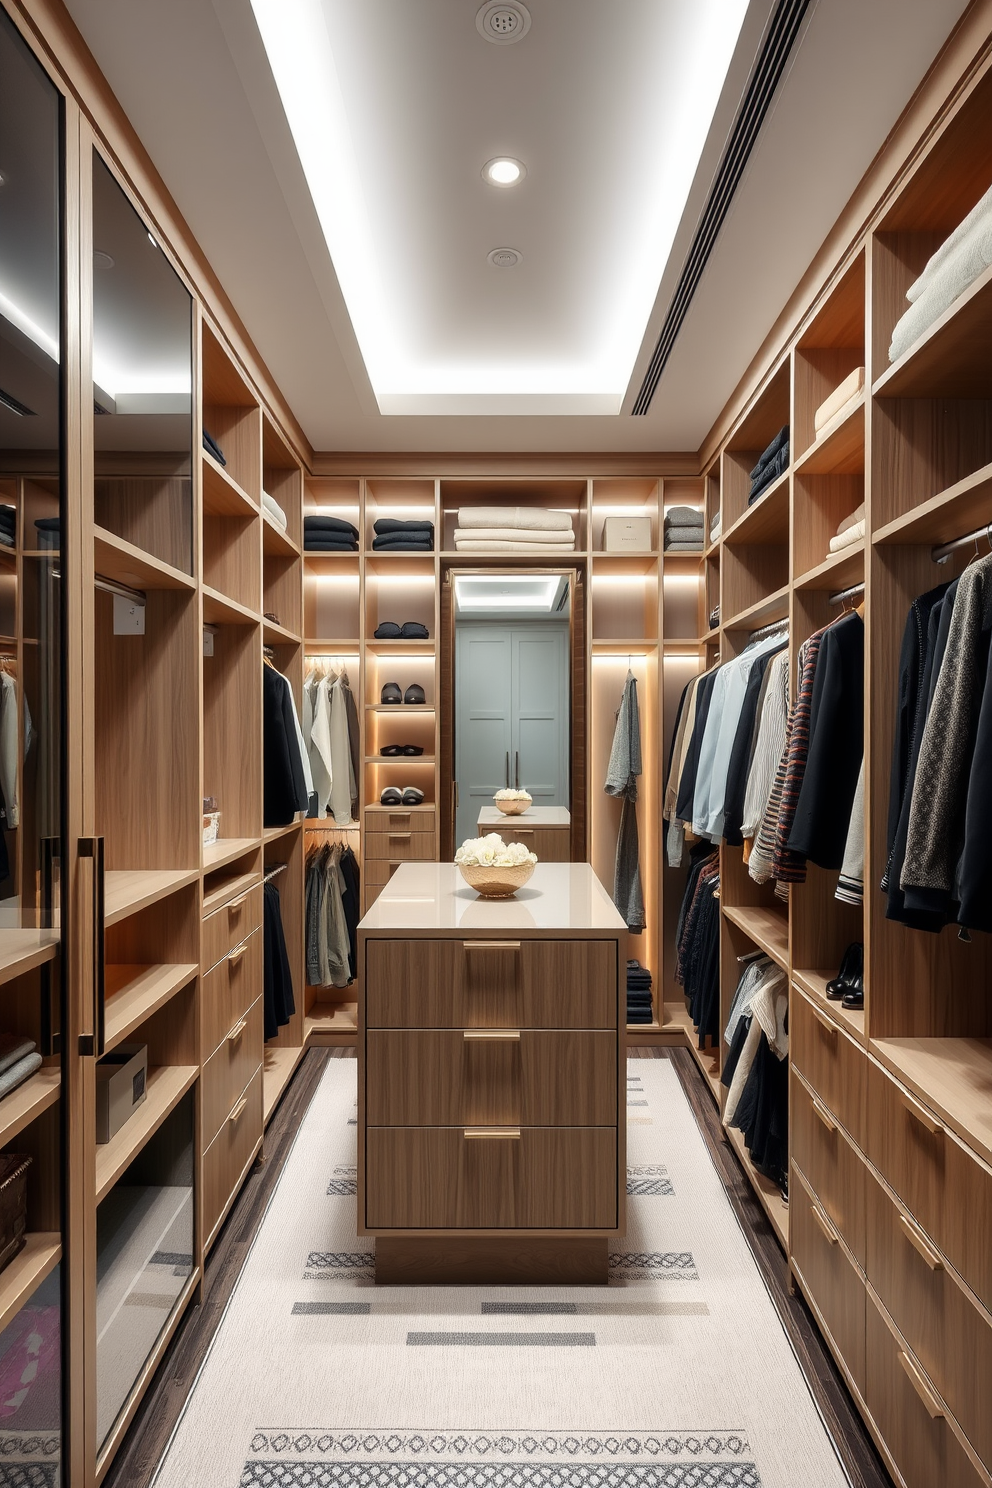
column 491, row 1260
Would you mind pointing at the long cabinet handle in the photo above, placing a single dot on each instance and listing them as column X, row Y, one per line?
column 96, row 1042
column 400, row 836
column 933, row 1406
column 522, row 831
column 490, row 945
column 919, row 1242
column 492, row 1133
column 506, row 771
column 233, row 957
column 491, row 1035
column 238, row 1110
column 824, row 1115
column 516, row 769
column 235, row 904
column 824, row 1224
column 922, row 1115
column 237, row 1031
column 825, row 1023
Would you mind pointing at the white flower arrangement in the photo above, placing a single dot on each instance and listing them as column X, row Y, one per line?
column 513, row 795
column 492, row 852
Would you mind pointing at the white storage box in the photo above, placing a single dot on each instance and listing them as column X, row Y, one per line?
column 627, row 535
column 121, row 1080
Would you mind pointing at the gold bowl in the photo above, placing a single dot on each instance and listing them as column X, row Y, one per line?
column 515, row 808
column 493, row 882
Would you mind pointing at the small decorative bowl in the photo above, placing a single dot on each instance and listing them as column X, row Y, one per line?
column 495, row 882
column 514, row 806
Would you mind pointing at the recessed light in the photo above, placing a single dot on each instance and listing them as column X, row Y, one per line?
column 503, row 171
column 504, row 258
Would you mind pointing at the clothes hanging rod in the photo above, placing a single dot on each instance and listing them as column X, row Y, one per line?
column 274, row 872
column 111, row 586
column 769, row 629
column 944, row 551
column 843, row 594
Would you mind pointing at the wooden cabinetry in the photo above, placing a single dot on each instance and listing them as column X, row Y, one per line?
column 545, row 830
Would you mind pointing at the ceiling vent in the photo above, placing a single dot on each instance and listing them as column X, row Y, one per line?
column 504, row 258
column 503, row 24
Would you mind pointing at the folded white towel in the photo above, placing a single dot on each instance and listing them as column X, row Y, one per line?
column 844, row 393
column 513, row 547
column 274, row 510
column 848, row 537
column 513, row 534
column 530, row 517
column 858, row 515
column 955, row 274
column 979, row 212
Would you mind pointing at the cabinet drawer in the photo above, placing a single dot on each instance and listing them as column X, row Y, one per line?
column 227, row 992
column 229, row 1068
column 828, row 1276
column 835, row 1066
column 491, row 983
column 380, row 819
column 229, row 925
column 832, row 1166
column 230, row 1152
column 429, row 1077
column 440, row 1178
column 922, row 1444
column 551, row 844
column 948, row 1334
column 401, row 845
column 943, row 1186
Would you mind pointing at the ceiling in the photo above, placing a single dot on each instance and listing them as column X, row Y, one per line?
column 583, row 100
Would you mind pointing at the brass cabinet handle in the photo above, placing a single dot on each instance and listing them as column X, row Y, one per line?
column 492, row 1035
column 236, row 1114
column 233, row 957
column 824, row 1115
column 490, row 945
column 825, row 1023
column 237, row 1031
column 236, row 904
column 824, row 1224
column 492, row 1133
column 921, row 1114
column 919, row 1242
column 933, row 1406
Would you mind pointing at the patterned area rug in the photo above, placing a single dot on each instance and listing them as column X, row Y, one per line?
column 676, row 1375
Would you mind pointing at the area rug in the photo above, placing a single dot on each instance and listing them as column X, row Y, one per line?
column 676, row 1375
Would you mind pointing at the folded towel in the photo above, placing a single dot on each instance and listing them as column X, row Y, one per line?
column 316, row 521
column 514, row 516
column 849, row 537
column 396, row 543
column 843, row 393
column 14, row 1046
column 856, row 516
column 17, row 1073
column 311, row 546
column 275, row 511
column 391, row 526
column 769, row 475
column 770, row 451
column 682, row 534
column 683, row 547
column 979, row 215
column 683, row 516
column 513, row 534
column 959, row 272
column 513, row 547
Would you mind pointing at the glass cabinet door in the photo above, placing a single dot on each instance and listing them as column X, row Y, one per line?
column 31, row 767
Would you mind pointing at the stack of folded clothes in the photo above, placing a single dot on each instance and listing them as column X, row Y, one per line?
column 329, row 535
column 958, row 262
column 19, row 1058
column 714, row 617
column 213, row 448
column 272, row 509
column 639, row 1009
column 49, row 530
column 683, row 529
column 851, row 530
column 393, row 536
column 846, row 393
column 513, row 529
column 773, row 461
column 8, row 524
column 716, row 527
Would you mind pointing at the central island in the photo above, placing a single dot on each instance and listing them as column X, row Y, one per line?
column 492, row 1079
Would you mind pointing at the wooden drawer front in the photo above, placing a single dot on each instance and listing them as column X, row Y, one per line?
column 922, row 1444
column 228, row 926
column 946, row 1189
column 430, row 1077
column 229, row 1068
column 945, row 1329
column 230, row 1151
column 552, row 844
column 400, row 820
column 828, row 1276
column 830, row 1164
column 491, row 984
column 834, row 1065
column 422, row 1177
column 227, row 992
column 401, row 846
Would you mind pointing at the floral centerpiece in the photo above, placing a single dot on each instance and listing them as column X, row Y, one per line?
column 494, row 868
column 513, row 802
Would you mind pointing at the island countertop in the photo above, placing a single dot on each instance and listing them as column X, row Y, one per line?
column 492, row 818
column 427, row 899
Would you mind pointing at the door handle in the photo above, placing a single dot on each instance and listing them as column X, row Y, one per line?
column 96, row 1042
column 516, row 769
column 506, row 771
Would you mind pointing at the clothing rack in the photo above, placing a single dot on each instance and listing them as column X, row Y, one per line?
column 842, row 594
column 943, row 552
column 274, row 872
column 769, row 629
column 111, row 586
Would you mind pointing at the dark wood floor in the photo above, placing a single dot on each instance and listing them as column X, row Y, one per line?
column 156, row 1419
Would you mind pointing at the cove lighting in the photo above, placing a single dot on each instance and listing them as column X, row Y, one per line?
column 503, row 171
column 505, row 592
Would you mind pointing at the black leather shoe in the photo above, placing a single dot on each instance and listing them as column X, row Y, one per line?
column 388, row 751
column 854, row 999
column 851, row 967
column 410, row 749
column 414, row 694
column 391, row 693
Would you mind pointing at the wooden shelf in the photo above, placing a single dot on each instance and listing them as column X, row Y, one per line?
column 961, row 508
column 167, row 1084
column 632, row 647
column 229, row 888
column 394, row 708
column 951, row 358
column 277, row 1071
column 314, row 647
column 278, row 635
column 336, row 1017
column 767, row 521
column 769, row 1194
column 130, row 889
column 837, row 571
column 27, row 1102
column 24, row 1274
column 135, row 992
column 953, row 1076
column 275, row 542
column 763, row 612
column 222, row 496
column 226, row 850
column 712, row 637
column 397, row 648
column 399, row 759
column 23, row 950
column 219, row 610
column 840, row 448
column 682, row 563
column 814, row 984
column 113, row 558
column 273, row 834
column 677, row 1016
column 768, row 928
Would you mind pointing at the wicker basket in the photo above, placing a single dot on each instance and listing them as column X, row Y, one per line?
column 13, row 1204
column 494, row 882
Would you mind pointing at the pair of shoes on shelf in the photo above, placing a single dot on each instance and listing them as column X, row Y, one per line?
column 848, row 986
column 391, row 694
column 410, row 630
column 390, row 751
column 408, row 796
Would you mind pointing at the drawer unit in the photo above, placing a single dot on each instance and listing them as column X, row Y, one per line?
column 228, row 991
column 909, row 1414
column 384, row 819
column 828, row 1276
column 230, row 1152
column 948, row 1333
column 832, row 1166
column 514, row 1178
column 551, row 844
column 401, row 845
column 434, row 1077
column 946, row 1188
column 229, row 1068
column 835, row 1066
column 229, row 925
column 485, row 983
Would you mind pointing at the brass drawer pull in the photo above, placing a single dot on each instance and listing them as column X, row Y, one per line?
column 919, row 1242
column 922, row 1115
column 236, row 904
column 825, row 1023
column 829, row 1232
column 236, row 1114
column 492, row 1133
column 490, row 945
column 237, row 1031
column 492, row 1035
column 824, row 1115
column 933, row 1406
column 233, row 957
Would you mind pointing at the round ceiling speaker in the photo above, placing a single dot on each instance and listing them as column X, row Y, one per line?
column 504, row 258
column 503, row 23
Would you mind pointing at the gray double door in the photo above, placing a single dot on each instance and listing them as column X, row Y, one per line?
column 511, row 715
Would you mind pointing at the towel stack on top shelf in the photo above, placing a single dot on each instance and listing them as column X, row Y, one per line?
column 851, row 530
column 774, row 460
column 513, row 529
column 683, row 529
column 847, row 392
column 959, row 261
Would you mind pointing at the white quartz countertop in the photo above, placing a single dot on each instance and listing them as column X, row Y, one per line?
column 534, row 816
column 424, row 899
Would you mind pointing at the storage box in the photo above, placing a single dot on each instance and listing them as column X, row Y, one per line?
column 121, row 1078
column 13, row 1204
column 627, row 535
